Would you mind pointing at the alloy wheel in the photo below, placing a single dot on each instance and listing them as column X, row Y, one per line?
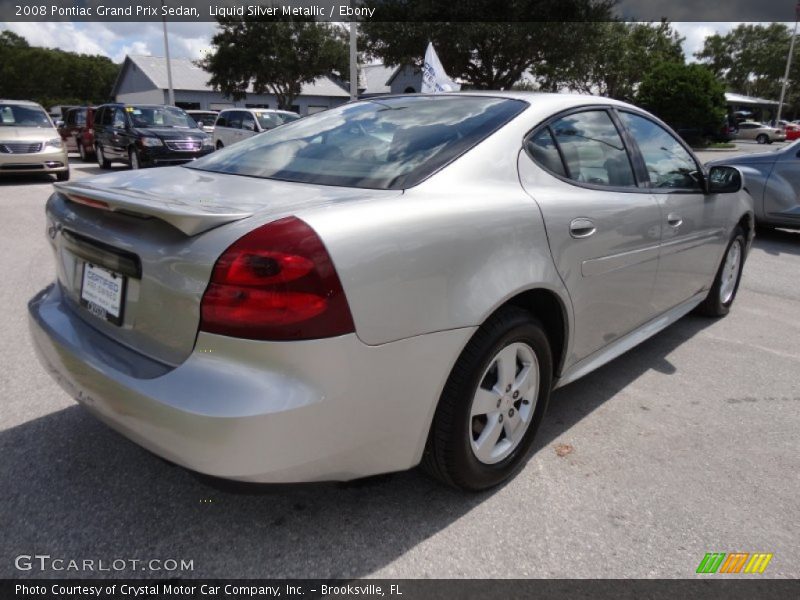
column 730, row 272
column 503, row 405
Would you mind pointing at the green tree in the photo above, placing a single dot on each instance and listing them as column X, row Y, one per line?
column 274, row 57
column 487, row 55
column 618, row 57
column 750, row 59
column 51, row 76
column 687, row 97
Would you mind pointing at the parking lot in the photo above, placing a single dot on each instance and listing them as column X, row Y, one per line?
column 685, row 445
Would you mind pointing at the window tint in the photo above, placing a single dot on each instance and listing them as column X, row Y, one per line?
column 248, row 122
column 669, row 164
column 593, row 149
column 222, row 120
column 384, row 143
column 119, row 119
column 235, row 119
column 542, row 148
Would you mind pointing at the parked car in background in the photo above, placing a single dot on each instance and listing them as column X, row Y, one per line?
column 29, row 142
column 773, row 180
column 85, row 137
column 147, row 135
column 73, row 128
column 237, row 124
column 205, row 119
column 761, row 133
column 291, row 309
column 792, row 131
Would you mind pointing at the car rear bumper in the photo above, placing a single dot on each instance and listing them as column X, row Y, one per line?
column 48, row 161
column 331, row 409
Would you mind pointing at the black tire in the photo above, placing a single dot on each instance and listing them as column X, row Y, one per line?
column 762, row 138
column 133, row 159
column 62, row 175
column 220, row 145
column 82, row 151
column 448, row 454
column 714, row 305
column 101, row 158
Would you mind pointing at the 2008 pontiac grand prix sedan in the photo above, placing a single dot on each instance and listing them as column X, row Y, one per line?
column 394, row 281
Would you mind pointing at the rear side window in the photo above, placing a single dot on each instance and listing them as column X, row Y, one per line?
column 669, row 164
column 542, row 148
column 593, row 150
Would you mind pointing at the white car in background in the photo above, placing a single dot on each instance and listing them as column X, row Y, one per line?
column 237, row 124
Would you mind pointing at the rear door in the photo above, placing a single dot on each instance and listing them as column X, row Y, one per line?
column 602, row 225
column 692, row 222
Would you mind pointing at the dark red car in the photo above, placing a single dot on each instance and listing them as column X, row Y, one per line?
column 77, row 132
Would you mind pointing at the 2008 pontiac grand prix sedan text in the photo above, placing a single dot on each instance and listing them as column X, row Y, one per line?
column 394, row 281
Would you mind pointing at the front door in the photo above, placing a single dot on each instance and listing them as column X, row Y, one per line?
column 692, row 222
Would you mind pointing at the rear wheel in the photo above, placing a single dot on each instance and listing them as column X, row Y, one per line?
column 762, row 138
column 492, row 404
column 726, row 283
column 101, row 158
column 220, row 146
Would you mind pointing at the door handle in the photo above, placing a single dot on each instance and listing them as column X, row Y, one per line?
column 674, row 220
column 581, row 228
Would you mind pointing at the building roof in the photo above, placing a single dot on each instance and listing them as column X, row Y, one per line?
column 732, row 98
column 188, row 76
column 376, row 78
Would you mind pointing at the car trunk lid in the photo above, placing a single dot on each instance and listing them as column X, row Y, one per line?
column 135, row 249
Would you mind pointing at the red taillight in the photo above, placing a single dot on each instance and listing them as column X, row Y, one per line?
column 276, row 283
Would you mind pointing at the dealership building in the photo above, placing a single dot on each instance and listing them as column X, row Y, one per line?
column 143, row 80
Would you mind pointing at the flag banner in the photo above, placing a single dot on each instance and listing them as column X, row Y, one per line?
column 434, row 78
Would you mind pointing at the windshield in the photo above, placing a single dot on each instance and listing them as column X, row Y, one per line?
column 272, row 120
column 386, row 143
column 159, row 116
column 15, row 115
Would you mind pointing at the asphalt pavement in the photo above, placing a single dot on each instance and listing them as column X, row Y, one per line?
column 687, row 444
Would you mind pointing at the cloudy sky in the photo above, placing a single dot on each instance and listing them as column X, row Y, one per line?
column 191, row 40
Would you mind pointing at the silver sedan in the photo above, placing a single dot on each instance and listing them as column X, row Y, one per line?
column 773, row 180
column 394, row 281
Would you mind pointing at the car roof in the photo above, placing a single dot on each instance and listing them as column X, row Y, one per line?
column 20, row 102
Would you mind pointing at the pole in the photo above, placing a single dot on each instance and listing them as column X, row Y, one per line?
column 169, row 65
column 353, row 61
column 786, row 73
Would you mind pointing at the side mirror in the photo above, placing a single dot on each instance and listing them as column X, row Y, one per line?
column 59, row 124
column 724, row 180
column 199, row 124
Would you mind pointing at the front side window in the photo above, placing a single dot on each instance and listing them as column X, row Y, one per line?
column 119, row 119
column 248, row 122
column 669, row 164
column 385, row 143
column 593, row 149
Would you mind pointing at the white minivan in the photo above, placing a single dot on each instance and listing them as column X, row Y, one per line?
column 237, row 124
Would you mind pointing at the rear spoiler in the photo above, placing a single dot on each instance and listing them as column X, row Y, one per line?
column 191, row 219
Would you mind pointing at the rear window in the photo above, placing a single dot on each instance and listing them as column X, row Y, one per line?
column 386, row 143
column 16, row 115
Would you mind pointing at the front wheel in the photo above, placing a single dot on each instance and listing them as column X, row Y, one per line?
column 133, row 159
column 492, row 403
column 220, row 145
column 62, row 175
column 101, row 158
column 726, row 283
